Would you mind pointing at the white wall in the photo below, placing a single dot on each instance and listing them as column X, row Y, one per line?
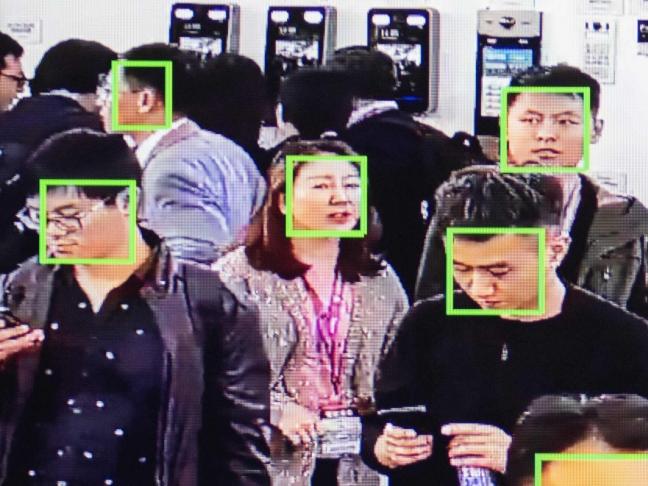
column 124, row 23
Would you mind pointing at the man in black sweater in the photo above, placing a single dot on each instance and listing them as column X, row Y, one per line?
column 476, row 374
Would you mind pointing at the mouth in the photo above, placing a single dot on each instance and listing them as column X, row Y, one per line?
column 491, row 303
column 340, row 217
column 546, row 153
column 63, row 248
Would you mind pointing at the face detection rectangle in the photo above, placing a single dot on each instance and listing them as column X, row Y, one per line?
column 566, row 469
column 545, row 129
column 117, row 95
column 501, row 269
column 326, row 196
column 63, row 213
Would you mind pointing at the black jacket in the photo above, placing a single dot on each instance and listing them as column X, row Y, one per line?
column 407, row 161
column 485, row 369
column 22, row 130
column 607, row 255
column 215, row 403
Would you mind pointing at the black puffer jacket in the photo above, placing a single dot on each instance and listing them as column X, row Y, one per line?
column 22, row 130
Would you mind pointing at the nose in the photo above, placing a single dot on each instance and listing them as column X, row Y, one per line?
column 339, row 195
column 546, row 131
column 482, row 284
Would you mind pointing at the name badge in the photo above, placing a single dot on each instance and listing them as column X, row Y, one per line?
column 342, row 434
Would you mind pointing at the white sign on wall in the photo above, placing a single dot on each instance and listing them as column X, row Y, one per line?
column 24, row 31
column 509, row 4
column 607, row 7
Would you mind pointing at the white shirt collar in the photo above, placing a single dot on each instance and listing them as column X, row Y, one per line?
column 571, row 186
column 145, row 148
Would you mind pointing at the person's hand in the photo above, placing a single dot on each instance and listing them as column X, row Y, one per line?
column 299, row 424
column 477, row 445
column 397, row 447
column 14, row 340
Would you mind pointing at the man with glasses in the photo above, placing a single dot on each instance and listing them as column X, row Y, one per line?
column 199, row 189
column 12, row 78
column 123, row 374
column 63, row 97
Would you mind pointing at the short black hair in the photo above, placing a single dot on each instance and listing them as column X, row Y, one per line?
column 232, row 90
column 9, row 47
column 83, row 154
column 372, row 71
column 185, row 69
column 560, row 75
column 74, row 65
column 482, row 196
column 317, row 100
column 553, row 423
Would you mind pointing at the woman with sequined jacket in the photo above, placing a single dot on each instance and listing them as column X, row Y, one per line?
column 328, row 310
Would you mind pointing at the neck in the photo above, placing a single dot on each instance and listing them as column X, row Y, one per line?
column 554, row 299
column 319, row 253
column 139, row 137
column 111, row 276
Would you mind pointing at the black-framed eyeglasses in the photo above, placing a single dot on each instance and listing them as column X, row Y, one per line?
column 70, row 223
column 20, row 80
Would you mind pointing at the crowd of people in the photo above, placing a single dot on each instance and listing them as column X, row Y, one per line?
column 179, row 335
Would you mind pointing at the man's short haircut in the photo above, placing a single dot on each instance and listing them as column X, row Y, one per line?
column 83, row 154
column 73, row 65
column 9, row 47
column 482, row 196
column 317, row 100
column 558, row 76
column 554, row 423
column 372, row 71
column 185, row 69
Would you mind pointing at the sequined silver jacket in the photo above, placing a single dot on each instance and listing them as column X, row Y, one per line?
column 379, row 304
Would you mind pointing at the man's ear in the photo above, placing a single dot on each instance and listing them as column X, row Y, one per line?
column 147, row 100
column 282, row 203
column 597, row 129
column 122, row 201
column 557, row 247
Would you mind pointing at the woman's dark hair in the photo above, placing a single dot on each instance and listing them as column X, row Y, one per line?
column 73, row 65
column 316, row 101
column 267, row 246
column 559, row 76
column 232, row 97
column 482, row 196
column 553, row 423
column 9, row 47
column 83, row 154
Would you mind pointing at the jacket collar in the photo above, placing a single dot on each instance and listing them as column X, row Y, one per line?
column 186, row 130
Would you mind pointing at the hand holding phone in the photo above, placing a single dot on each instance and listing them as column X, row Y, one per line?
column 16, row 338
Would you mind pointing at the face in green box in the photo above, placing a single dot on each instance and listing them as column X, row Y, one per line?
column 500, row 271
column 81, row 226
column 326, row 195
column 545, row 129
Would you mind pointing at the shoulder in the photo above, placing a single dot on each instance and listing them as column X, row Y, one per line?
column 592, row 308
column 206, row 289
column 385, row 283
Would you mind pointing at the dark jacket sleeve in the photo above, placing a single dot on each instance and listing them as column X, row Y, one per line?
column 399, row 380
column 236, row 404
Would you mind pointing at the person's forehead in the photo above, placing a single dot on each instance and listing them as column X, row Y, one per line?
column 13, row 64
column 548, row 103
column 498, row 249
column 327, row 168
column 62, row 196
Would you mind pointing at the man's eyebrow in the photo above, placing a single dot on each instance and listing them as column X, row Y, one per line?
column 568, row 112
column 492, row 265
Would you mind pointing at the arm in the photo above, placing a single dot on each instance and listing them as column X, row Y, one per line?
column 234, row 451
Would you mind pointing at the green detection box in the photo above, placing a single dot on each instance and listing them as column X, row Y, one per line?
column 505, row 167
column 541, row 458
column 44, row 184
column 360, row 232
column 116, row 69
column 450, row 236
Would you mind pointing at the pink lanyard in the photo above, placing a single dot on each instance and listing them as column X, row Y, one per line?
column 327, row 325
